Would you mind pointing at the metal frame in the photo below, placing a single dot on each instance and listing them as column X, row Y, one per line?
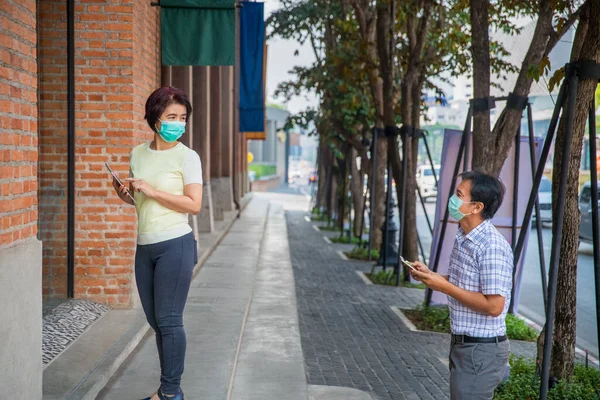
column 71, row 148
column 463, row 156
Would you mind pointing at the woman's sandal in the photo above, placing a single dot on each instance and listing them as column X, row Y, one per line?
column 178, row 396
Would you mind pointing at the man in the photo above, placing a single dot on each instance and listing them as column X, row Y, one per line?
column 478, row 286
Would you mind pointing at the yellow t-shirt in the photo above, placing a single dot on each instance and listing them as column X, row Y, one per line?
column 168, row 171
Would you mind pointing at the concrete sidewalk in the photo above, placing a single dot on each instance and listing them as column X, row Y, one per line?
column 241, row 322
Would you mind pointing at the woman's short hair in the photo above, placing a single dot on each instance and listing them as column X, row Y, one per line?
column 160, row 99
column 486, row 189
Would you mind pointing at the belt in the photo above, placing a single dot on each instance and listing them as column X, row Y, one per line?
column 471, row 339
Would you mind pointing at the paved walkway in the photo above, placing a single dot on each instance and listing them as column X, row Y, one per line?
column 243, row 339
column 276, row 314
column 350, row 335
column 241, row 322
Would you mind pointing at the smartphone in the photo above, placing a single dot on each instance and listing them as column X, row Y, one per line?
column 119, row 181
column 407, row 263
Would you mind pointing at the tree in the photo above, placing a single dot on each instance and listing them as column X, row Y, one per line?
column 490, row 148
column 586, row 46
column 338, row 78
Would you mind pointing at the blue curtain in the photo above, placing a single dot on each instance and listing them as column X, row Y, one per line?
column 252, row 85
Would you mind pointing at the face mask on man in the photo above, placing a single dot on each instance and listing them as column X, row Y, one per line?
column 170, row 131
column 454, row 205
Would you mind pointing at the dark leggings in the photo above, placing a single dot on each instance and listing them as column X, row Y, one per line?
column 163, row 272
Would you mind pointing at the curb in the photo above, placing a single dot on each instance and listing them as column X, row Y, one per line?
column 364, row 278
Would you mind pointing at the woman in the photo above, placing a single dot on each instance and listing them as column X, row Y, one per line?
column 166, row 180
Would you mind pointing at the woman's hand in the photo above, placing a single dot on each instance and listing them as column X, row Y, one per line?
column 121, row 191
column 140, row 185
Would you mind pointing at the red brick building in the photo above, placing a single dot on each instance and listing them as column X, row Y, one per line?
column 89, row 102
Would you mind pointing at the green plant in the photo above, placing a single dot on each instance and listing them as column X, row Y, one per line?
column 382, row 277
column 524, row 383
column 387, row 277
column 318, row 217
column 330, row 228
column 345, row 240
column 262, row 169
column 517, row 329
column 437, row 319
column 359, row 253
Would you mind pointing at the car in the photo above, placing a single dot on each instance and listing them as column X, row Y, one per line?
column 313, row 177
column 545, row 200
column 585, row 208
column 426, row 181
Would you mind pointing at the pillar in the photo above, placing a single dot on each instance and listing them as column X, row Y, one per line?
column 226, row 182
column 181, row 78
column 201, row 143
column 215, row 140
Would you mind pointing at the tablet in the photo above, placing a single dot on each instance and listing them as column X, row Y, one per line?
column 118, row 180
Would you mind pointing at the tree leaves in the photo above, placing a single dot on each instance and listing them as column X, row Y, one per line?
column 556, row 79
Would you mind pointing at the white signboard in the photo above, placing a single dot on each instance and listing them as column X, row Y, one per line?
column 503, row 219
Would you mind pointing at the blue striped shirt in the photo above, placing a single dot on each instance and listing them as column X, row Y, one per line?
column 481, row 261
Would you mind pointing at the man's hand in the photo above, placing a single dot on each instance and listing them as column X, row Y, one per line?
column 431, row 279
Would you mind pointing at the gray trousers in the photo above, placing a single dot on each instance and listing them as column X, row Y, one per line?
column 476, row 369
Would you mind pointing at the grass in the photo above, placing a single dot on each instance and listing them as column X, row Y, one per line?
column 262, row 169
column 358, row 253
column 437, row 319
column 329, row 228
column 524, row 383
column 345, row 239
column 388, row 278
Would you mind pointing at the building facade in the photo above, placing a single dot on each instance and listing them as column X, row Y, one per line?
column 74, row 78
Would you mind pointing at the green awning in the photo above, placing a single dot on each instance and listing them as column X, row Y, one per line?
column 198, row 32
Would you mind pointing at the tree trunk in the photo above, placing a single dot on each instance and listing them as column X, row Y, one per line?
column 333, row 210
column 367, row 21
column 586, row 47
column 324, row 165
column 480, row 49
column 357, row 191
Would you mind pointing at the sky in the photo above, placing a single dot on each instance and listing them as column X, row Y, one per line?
column 280, row 60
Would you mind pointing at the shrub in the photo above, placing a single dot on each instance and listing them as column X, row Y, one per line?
column 437, row 319
column 518, row 330
column 329, row 228
column 388, row 278
column 262, row 169
column 359, row 253
column 524, row 383
column 345, row 240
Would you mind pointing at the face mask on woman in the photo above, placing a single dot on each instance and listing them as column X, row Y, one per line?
column 170, row 131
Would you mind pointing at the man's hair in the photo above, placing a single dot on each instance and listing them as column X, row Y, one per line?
column 486, row 189
column 160, row 99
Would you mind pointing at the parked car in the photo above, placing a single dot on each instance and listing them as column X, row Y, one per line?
column 426, row 180
column 545, row 199
column 585, row 207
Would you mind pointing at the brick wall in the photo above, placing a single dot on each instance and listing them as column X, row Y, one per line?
column 18, row 121
column 116, row 67
column 115, row 42
column 52, row 172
